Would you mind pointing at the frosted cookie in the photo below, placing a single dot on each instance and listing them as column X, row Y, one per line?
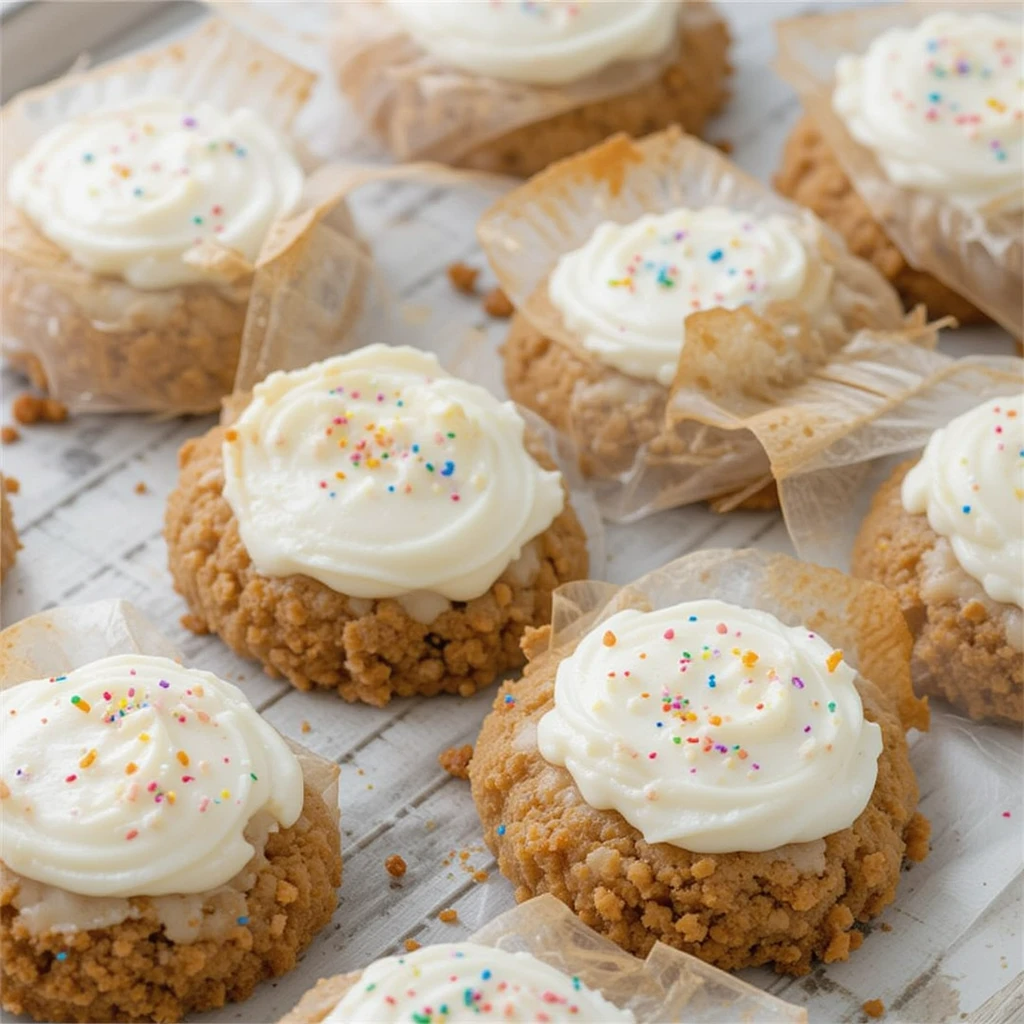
column 946, row 534
column 705, row 776
column 161, row 852
column 374, row 526
column 9, row 543
column 938, row 106
column 513, row 87
column 138, row 228
column 457, row 983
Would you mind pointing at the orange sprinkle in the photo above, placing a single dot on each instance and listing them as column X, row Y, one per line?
column 715, row 719
column 832, row 661
column 339, row 475
column 182, row 758
column 87, row 760
column 750, row 659
column 609, row 639
column 230, row 435
column 741, row 754
column 131, row 768
column 82, row 705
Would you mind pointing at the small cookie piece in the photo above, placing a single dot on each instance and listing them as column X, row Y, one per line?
column 811, row 175
column 682, row 795
column 417, row 530
column 9, row 543
column 944, row 533
column 455, row 761
column 234, row 902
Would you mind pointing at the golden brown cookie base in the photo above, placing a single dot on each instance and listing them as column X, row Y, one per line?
column 549, row 378
column 687, row 93
column 132, row 972
column 315, row 637
column 961, row 651
column 782, row 908
column 174, row 351
column 9, row 543
column 812, row 176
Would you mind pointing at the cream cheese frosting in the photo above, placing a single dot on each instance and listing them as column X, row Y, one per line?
column 713, row 727
column 133, row 776
column 628, row 290
column 970, row 484
column 941, row 105
column 545, row 42
column 379, row 474
column 464, row 982
column 128, row 191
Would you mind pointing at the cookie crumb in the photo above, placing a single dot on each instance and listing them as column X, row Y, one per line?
column 12, row 485
column 874, row 1008
column 450, row 916
column 395, row 866
column 411, row 945
column 885, row 926
column 194, row 624
column 498, row 304
column 29, row 409
column 141, row 488
column 306, row 727
column 480, row 876
column 455, row 761
column 9, row 435
column 463, row 277
column 723, row 146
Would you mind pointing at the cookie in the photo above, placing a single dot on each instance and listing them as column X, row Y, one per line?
column 101, row 917
column 811, row 175
column 610, row 777
column 959, row 588
column 430, row 614
column 9, row 543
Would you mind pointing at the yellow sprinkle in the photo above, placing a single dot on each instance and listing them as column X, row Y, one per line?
column 997, row 105
column 182, row 758
column 87, row 760
column 131, row 768
column 143, row 737
column 609, row 638
column 225, row 795
column 372, row 463
column 340, row 475
column 171, row 797
column 832, row 661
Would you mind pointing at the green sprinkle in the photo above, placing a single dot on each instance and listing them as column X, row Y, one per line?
column 831, row 705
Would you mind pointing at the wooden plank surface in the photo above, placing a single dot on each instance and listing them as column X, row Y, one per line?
column 955, row 944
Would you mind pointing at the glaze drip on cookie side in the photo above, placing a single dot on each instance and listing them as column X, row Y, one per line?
column 941, row 106
column 628, row 290
column 133, row 776
column 380, row 475
column 547, row 42
column 462, row 982
column 970, row 484
column 713, row 727
column 128, row 191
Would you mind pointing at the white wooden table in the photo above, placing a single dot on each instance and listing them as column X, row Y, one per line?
column 956, row 926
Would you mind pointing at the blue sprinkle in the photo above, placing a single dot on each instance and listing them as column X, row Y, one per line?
column 660, row 725
column 693, row 618
column 449, row 468
column 715, row 255
column 391, row 488
column 415, row 448
column 712, row 682
column 243, row 920
column 966, row 510
column 934, row 97
column 62, row 956
column 485, row 974
column 500, row 830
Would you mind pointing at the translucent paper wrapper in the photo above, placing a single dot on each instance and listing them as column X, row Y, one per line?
column 977, row 253
column 667, row 986
column 58, row 641
column 827, row 491
column 424, row 109
column 692, row 441
column 100, row 345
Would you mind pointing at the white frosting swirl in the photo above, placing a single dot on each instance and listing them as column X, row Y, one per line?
column 129, row 191
column 712, row 727
column 379, row 474
column 941, row 105
column 545, row 42
column 466, row 983
column 629, row 289
column 970, row 484
column 133, row 776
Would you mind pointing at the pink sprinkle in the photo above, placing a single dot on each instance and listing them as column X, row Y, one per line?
column 1006, row 814
column 151, row 788
column 132, row 834
column 670, row 634
column 721, row 628
column 203, row 804
column 652, row 755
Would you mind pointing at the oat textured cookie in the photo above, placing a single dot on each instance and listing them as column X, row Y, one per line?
column 102, row 916
column 945, row 535
column 9, row 543
column 704, row 776
column 412, row 570
column 811, row 175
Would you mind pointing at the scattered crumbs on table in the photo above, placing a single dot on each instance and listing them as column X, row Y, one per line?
column 395, row 866
column 498, row 304
column 455, row 761
column 463, row 277
column 874, row 1008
